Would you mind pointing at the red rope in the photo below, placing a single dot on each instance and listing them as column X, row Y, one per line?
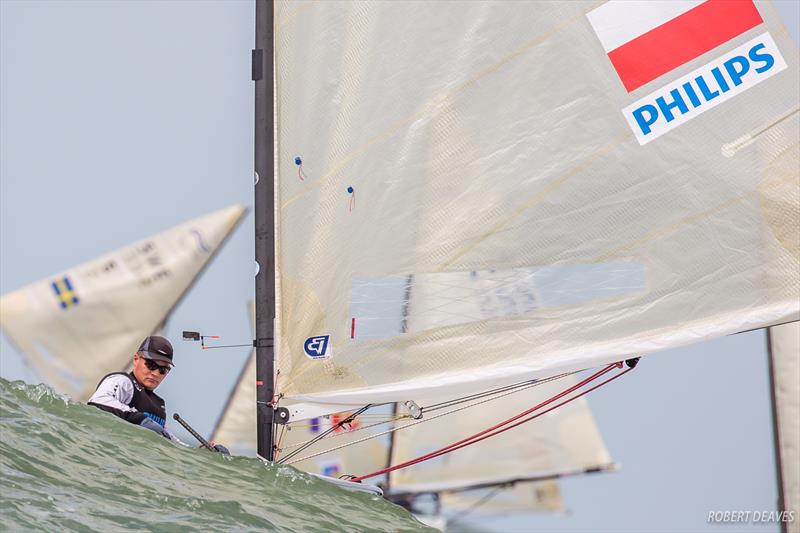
column 498, row 428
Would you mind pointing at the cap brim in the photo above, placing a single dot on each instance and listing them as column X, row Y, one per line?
column 157, row 357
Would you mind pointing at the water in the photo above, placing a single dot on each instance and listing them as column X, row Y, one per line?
column 68, row 466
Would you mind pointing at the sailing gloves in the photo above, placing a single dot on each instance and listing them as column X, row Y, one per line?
column 222, row 449
column 154, row 426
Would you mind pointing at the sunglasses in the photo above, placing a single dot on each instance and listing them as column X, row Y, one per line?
column 152, row 365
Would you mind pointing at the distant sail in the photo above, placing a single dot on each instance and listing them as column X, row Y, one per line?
column 785, row 354
column 501, row 156
column 542, row 496
column 236, row 426
column 75, row 326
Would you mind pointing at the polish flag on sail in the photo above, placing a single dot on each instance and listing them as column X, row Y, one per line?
column 645, row 39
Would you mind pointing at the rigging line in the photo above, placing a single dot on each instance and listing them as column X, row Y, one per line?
column 521, row 385
column 498, row 428
column 433, row 455
column 227, row 346
column 491, row 494
column 392, row 430
column 386, row 419
column 380, row 423
column 278, row 444
column 350, row 432
column 275, row 396
column 323, row 434
column 362, row 418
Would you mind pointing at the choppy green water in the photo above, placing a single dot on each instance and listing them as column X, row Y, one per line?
column 68, row 466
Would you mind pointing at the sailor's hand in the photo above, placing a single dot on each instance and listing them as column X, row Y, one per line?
column 154, row 426
column 218, row 447
column 222, row 449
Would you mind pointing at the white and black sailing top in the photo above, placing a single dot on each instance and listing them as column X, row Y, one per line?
column 121, row 394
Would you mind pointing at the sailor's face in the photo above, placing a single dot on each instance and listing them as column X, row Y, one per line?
column 149, row 378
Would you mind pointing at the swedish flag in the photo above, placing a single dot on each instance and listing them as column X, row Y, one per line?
column 65, row 293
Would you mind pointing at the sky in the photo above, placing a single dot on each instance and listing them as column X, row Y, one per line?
column 119, row 120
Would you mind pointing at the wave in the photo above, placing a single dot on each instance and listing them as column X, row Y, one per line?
column 69, row 466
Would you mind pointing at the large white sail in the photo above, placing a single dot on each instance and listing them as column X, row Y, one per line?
column 503, row 153
column 75, row 326
column 785, row 354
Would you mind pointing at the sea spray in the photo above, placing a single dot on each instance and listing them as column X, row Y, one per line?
column 68, row 466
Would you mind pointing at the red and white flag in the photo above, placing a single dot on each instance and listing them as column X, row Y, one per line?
column 645, row 39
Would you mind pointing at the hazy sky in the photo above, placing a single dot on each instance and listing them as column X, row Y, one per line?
column 122, row 119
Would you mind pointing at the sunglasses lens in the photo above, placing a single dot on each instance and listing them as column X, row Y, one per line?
column 152, row 365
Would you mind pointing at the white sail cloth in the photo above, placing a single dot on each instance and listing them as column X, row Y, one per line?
column 80, row 324
column 785, row 348
column 480, row 149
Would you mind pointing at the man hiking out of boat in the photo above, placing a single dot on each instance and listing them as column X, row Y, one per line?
column 130, row 396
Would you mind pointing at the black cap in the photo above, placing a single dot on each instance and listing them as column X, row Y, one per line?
column 157, row 348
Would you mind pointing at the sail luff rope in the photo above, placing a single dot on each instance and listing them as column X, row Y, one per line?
column 498, row 428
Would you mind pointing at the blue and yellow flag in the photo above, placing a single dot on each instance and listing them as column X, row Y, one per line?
column 65, row 293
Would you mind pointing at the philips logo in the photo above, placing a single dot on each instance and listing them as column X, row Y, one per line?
column 317, row 347
column 706, row 87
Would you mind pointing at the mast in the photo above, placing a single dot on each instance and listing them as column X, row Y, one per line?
column 262, row 74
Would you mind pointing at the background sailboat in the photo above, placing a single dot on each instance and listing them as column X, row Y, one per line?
column 78, row 325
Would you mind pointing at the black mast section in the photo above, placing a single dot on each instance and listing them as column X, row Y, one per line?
column 264, row 228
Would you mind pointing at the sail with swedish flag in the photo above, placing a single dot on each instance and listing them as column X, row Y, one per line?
column 100, row 310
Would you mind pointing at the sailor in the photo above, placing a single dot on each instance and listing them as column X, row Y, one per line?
column 130, row 396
